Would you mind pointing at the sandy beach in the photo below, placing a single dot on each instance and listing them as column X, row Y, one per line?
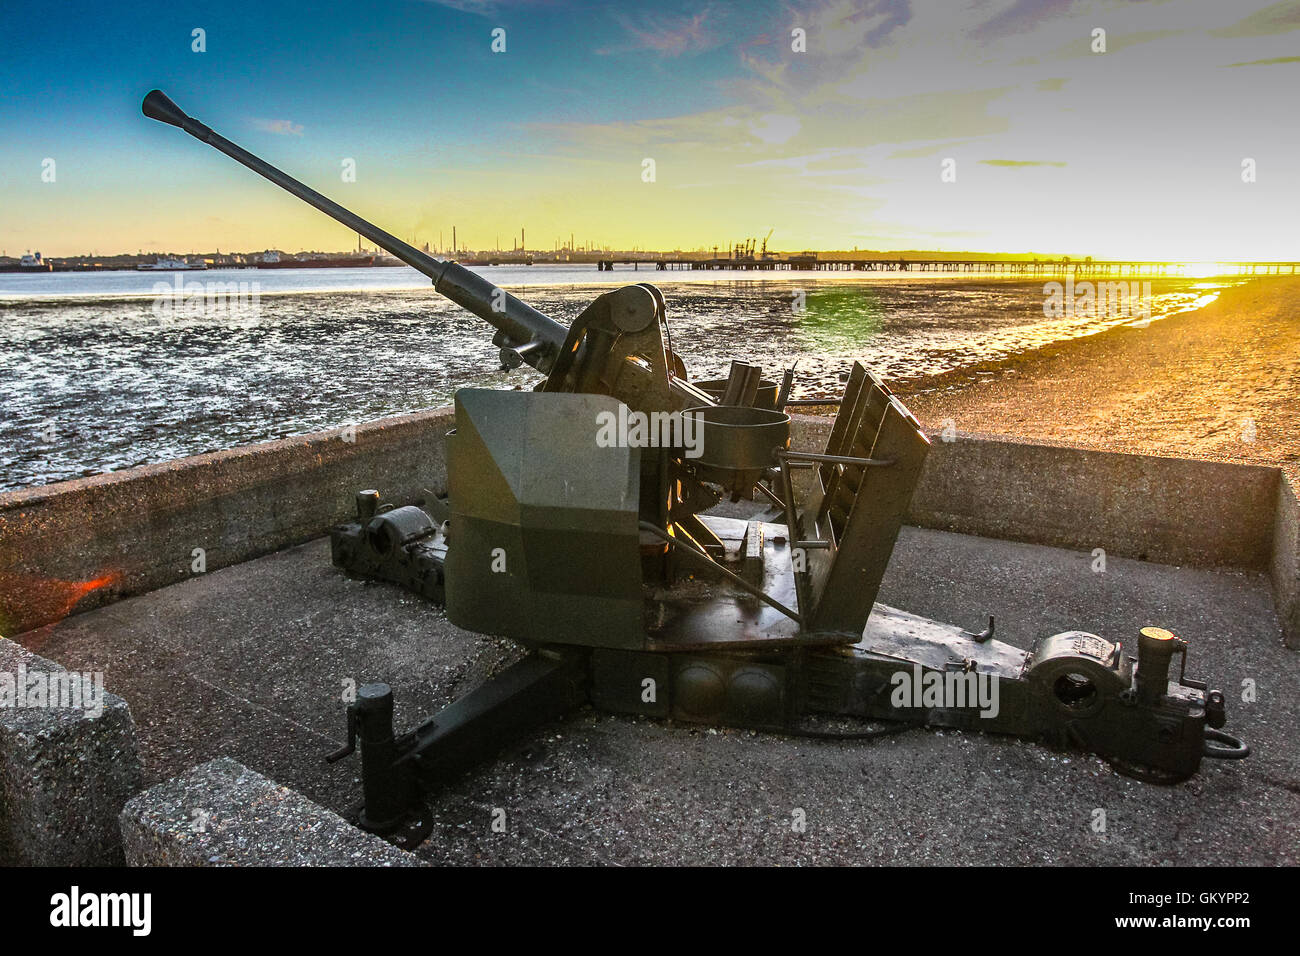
column 1222, row 382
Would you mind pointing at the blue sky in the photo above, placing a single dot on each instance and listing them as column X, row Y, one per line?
column 1058, row 148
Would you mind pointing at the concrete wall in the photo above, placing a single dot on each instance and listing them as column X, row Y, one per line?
column 1285, row 566
column 1168, row 510
column 135, row 530
column 79, row 544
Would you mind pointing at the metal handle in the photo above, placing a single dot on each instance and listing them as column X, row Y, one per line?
column 1236, row 749
column 350, row 747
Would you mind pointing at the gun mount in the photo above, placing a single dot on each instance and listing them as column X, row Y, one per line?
column 576, row 523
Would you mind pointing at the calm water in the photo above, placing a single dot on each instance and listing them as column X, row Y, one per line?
column 96, row 376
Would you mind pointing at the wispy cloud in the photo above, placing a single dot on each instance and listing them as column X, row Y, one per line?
column 466, row 6
column 489, row 8
column 1269, row 62
column 669, row 37
column 1020, row 162
column 280, row 127
column 1022, row 16
column 1279, row 18
column 919, row 152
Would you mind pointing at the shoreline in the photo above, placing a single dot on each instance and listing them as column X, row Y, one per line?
column 1221, row 382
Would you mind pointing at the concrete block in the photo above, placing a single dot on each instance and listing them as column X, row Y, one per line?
column 222, row 814
column 1285, row 566
column 68, row 763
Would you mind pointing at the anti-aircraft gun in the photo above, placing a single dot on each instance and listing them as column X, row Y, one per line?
column 577, row 524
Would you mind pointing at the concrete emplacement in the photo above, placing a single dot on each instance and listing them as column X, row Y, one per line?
column 248, row 657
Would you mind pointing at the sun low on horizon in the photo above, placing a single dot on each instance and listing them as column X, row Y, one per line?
column 1150, row 131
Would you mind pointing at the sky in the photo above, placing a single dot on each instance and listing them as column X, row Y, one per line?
column 983, row 125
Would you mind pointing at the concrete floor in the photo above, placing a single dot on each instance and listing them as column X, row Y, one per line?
column 250, row 662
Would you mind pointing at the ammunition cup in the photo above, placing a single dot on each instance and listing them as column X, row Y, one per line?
column 367, row 504
column 1156, row 647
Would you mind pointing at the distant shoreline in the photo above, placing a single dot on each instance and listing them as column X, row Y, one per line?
column 130, row 283
column 1221, row 382
column 973, row 265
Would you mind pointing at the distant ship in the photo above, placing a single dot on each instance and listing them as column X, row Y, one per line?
column 169, row 265
column 31, row 262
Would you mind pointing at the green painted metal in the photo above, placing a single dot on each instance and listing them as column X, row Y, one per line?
column 600, row 557
column 545, row 545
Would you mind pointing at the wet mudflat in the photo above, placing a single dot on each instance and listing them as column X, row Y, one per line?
column 100, row 378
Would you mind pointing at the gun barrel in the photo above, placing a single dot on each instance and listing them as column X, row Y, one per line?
column 519, row 322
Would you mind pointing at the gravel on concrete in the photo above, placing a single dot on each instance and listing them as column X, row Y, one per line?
column 223, row 814
column 251, row 662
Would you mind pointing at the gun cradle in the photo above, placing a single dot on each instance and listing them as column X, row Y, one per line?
column 545, row 542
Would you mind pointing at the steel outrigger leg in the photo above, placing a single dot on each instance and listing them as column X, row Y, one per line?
column 396, row 771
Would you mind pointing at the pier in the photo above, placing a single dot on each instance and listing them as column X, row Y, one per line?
column 994, row 266
column 987, row 267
